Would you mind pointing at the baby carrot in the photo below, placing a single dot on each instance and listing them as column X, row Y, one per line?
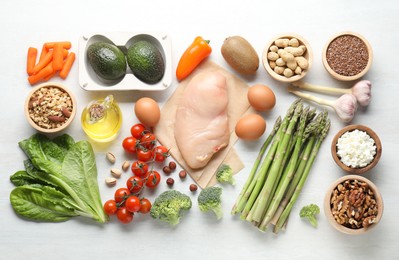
column 58, row 56
column 65, row 44
column 41, row 74
column 192, row 57
column 31, row 60
column 48, row 77
column 43, row 53
column 67, row 65
column 43, row 63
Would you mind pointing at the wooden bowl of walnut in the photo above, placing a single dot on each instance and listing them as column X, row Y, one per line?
column 349, row 165
column 50, row 107
column 353, row 205
column 291, row 67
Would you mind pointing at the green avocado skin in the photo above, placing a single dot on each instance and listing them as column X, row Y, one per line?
column 107, row 60
column 146, row 62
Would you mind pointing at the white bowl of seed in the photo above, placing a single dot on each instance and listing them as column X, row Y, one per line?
column 347, row 56
column 50, row 107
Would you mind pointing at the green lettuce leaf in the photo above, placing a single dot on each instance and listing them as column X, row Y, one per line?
column 41, row 203
column 62, row 168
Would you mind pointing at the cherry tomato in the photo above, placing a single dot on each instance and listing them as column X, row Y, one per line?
column 161, row 152
column 153, row 179
column 121, row 194
column 137, row 131
column 124, row 215
column 145, row 206
column 110, row 207
column 130, row 144
column 144, row 155
column 139, row 168
column 133, row 204
column 135, row 184
column 148, row 140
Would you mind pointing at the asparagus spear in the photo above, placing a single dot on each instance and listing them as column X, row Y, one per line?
column 310, row 129
column 246, row 190
column 274, row 170
column 257, row 183
column 324, row 127
column 288, row 172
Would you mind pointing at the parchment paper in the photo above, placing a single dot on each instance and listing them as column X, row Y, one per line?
column 238, row 105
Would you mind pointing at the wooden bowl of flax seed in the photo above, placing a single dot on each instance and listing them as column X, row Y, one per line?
column 347, row 56
column 50, row 107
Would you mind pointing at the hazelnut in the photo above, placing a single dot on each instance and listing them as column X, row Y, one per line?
column 172, row 165
column 193, row 187
column 182, row 174
column 170, row 181
column 166, row 169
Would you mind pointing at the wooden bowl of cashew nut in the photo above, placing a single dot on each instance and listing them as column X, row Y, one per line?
column 353, row 205
column 287, row 58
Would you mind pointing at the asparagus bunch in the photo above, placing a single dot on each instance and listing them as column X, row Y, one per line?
column 278, row 176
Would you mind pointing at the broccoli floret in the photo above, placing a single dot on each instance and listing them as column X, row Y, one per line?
column 210, row 199
column 224, row 174
column 167, row 206
column 310, row 212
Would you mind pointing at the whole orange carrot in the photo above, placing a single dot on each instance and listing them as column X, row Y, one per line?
column 33, row 79
column 192, row 57
column 58, row 56
column 31, row 60
column 67, row 65
column 44, row 62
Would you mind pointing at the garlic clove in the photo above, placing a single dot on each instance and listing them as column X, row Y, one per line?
column 346, row 107
column 362, row 91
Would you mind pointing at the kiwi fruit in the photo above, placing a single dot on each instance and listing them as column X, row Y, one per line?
column 240, row 55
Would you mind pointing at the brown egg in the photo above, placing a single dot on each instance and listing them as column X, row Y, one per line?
column 147, row 111
column 250, row 127
column 261, row 97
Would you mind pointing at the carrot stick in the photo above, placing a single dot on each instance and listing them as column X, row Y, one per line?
column 64, row 53
column 31, row 60
column 65, row 45
column 41, row 74
column 43, row 53
column 44, row 62
column 58, row 56
column 48, row 77
column 67, row 65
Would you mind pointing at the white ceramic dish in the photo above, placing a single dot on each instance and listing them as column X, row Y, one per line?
column 88, row 79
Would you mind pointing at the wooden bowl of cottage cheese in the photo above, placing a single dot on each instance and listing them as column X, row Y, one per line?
column 356, row 149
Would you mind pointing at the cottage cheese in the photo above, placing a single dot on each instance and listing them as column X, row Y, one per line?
column 356, row 149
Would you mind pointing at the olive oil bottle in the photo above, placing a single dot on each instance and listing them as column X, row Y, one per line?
column 102, row 119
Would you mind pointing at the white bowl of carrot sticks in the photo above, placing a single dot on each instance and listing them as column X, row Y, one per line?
column 55, row 58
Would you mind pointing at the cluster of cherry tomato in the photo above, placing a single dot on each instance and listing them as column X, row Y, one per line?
column 127, row 201
column 143, row 142
column 125, row 204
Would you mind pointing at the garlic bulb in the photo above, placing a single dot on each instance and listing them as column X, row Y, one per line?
column 345, row 106
column 361, row 90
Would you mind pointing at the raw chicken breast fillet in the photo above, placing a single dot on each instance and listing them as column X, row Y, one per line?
column 202, row 124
